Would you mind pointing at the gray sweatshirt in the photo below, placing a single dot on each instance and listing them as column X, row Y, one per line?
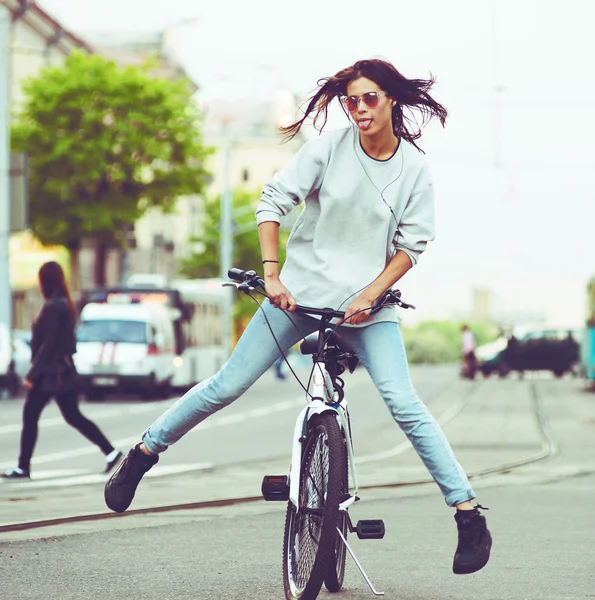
column 357, row 213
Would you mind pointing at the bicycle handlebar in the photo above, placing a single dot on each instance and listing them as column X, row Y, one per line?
column 249, row 280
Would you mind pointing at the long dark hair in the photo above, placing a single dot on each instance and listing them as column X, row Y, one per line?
column 53, row 282
column 410, row 94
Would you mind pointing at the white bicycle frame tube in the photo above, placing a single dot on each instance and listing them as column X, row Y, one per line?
column 323, row 394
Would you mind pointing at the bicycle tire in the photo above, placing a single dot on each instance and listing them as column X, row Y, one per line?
column 336, row 571
column 309, row 539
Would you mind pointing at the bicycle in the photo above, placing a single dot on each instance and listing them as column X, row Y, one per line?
column 317, row 489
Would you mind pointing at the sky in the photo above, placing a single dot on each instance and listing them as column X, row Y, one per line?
column 514, row 166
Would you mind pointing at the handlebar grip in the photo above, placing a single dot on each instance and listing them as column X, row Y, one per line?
column 236, row 274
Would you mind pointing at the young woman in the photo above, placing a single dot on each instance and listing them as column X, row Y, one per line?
column 368, row 215
column 52, row 372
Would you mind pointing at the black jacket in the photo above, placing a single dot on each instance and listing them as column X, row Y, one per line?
column 53, row 344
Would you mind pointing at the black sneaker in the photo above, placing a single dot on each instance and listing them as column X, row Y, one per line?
column 475, row 542
column 16, row 473
column 121, row 486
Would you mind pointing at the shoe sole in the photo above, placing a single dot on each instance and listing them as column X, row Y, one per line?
column 473, row 568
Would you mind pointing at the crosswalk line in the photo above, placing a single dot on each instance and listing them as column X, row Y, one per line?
column 71, row 477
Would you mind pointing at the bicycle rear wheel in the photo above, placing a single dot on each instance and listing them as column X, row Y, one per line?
column 310, row 537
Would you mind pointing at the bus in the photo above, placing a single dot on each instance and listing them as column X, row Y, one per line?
column 588, row 342
column 196, row 308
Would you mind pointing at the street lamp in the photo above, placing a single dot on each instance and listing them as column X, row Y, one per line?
column 5, row 295
column 226, row 234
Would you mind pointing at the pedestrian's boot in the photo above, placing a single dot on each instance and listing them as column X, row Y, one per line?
column 121, row 486
column 475, row 542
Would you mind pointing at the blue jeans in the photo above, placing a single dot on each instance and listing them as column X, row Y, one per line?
column 380, row 349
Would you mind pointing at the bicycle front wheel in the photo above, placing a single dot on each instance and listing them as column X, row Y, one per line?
column 310, row 538
column 336, row 569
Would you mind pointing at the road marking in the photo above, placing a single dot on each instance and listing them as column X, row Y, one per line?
column 104, row 414
column 67, row 478
column 446, row 416
column 253, row 413
column 222, row 421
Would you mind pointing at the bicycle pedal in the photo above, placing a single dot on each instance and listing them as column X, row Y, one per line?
column 275, row 488
column 370, row 529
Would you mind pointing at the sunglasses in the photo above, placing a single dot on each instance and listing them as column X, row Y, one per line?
column 351, row 103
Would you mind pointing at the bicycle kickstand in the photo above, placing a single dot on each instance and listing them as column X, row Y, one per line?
column 376, row 593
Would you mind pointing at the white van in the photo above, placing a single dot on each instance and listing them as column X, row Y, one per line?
column 125, row 348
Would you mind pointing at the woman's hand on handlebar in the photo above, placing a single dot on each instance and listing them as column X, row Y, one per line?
column 279, row 295
column 353, row 316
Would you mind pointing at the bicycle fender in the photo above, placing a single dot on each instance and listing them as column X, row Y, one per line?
column 316, row 407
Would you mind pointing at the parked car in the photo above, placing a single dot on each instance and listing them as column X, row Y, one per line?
column 490, row 358
column 547, row 349
column 6, row 366
column 15, row 358
column 21, row 357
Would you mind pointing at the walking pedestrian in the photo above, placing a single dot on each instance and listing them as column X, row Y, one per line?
column 53, row 374
column 368, row 216
column 279, row 365
column 469, row 360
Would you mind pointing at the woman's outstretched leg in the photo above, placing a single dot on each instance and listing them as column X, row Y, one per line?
column 380, row 347
column 255, row 352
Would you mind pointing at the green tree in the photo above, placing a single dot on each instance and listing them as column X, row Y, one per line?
column 105, row 144
column 246, row 247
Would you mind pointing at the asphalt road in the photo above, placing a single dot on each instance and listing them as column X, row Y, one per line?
column 543, row 550
column 258, row 426
column 527, row 444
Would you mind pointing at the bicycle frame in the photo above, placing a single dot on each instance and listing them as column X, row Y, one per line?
column 324, row 399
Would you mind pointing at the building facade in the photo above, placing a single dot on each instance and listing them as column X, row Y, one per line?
column 36, row 40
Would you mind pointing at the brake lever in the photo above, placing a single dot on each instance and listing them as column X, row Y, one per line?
column 241, row 287
column 396, row 297
column 405, row 305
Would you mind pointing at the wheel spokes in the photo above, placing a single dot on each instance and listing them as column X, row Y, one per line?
column 307, row 525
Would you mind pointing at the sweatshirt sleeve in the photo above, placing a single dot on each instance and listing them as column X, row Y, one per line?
column 417, row 226
column 291, row 186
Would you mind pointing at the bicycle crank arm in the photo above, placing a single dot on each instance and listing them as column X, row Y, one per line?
column 358, row 565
